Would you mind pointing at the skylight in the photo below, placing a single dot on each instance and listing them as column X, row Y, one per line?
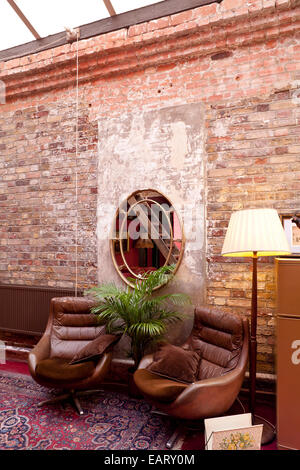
column 48, row 17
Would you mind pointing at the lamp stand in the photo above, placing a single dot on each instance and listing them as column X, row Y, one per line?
column 253, row 341
column 268, row 434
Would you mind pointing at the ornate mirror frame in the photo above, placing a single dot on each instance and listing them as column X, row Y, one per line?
column 137, row 210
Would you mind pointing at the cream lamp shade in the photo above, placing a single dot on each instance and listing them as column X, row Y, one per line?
column 255, row 232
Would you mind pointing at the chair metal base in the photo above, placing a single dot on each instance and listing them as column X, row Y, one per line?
column 179, row 429
column 181, row 426
column 71, row 396
column 171, row 441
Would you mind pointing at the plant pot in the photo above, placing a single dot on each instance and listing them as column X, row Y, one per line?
column 133, row 390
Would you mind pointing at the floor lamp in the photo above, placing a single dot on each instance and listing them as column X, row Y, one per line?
column 255, row 233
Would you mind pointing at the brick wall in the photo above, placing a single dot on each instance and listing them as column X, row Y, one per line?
column 240, row 58
column 38, row 207
column 253, row 155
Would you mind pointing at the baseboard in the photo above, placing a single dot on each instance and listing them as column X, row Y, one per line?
column 265, row 384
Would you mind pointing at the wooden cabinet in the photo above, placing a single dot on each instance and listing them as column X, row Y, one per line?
column 288, row 353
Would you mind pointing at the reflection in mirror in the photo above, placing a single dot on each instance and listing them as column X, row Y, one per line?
column 147, row 234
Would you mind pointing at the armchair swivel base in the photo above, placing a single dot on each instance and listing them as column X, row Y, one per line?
column 70, row 396
column 180, row 428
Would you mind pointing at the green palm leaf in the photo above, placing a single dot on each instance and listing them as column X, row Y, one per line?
column 106, row 290
column 137, row 312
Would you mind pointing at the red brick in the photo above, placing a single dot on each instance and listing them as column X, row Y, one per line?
column 158, row 24
column 137, row 29
column 181, row 17
column 207, row 10
column 282, row 4
column 232, row 4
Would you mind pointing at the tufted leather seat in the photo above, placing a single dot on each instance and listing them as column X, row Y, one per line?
column 70, row 328
column 222, row 339
column 219, row 338
column 73, row 326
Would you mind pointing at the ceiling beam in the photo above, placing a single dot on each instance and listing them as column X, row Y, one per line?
column 24, row 19
column 109, row 7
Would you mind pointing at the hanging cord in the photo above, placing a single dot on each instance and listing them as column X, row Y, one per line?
column 242, row 406
column 76, row 169
column 266, row 421
column 257, row 416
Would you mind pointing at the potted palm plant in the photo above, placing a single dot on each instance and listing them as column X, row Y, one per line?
column 137, row 312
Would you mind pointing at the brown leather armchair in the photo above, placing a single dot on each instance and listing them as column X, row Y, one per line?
column 222, row 340
column 70, row 327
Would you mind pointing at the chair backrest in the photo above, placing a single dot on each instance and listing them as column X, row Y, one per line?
column 72, row 325
column 219, row 338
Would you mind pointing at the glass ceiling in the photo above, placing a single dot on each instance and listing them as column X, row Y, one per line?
column 52, row 16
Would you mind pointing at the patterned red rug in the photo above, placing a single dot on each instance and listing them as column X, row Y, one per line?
column 111, row 420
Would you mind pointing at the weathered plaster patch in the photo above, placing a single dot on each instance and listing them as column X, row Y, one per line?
column 179, row 144
column 221, row 127
column 162, row 150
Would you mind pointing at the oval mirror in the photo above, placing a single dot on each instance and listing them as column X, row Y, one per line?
column 147, row 233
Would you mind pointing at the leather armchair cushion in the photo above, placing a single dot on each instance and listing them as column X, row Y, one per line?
column 219, row 338
column 59, row 369
column 94, row 349
column 73, row 326
column 66, row 341
column 158, row 388
column 176, row 363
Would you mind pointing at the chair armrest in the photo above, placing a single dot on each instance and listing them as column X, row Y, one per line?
column 40, row 352
column 214, row 384
column 103, row 366
column 208, row 397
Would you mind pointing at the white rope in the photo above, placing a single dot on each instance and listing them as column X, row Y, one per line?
column 76, row 171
